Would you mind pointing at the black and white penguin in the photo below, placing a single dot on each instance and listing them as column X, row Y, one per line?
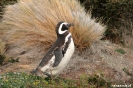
column 58, row 56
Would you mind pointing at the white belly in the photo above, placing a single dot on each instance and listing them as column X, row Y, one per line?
column 57, row 70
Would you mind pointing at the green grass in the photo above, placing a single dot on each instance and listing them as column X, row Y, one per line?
column 23, row 80
column 121, row 51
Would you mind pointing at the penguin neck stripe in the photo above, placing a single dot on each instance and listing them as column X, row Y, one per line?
column 60, row 31
column 67, row 43
column 66, row 39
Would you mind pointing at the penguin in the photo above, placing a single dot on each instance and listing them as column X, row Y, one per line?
column 58, row 56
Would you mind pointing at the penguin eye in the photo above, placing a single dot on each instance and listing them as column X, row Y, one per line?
column 64, row 27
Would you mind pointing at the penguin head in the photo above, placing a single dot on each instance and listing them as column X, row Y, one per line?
column 62, row 28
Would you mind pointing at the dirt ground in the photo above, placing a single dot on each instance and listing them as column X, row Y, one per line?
column 100, row 58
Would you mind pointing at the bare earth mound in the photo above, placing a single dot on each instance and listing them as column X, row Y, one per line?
column 101, row 58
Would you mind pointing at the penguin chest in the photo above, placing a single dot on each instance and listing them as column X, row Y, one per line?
column 69, row 52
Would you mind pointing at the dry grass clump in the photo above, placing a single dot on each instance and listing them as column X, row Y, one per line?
column 2, row 47
column 31, row 25
column 2, row 51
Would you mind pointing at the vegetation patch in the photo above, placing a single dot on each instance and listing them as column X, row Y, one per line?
column 121, row 51
column 3, row 3
column 12, row 60
column 127, row 72
column 117, row 14
column 99, row 81
column 23, row 80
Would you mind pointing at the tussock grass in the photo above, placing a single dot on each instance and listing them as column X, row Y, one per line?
column 3, row 57
column 30, row 25
column 2, row 46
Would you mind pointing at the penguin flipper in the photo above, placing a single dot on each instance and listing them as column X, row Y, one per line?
column 58, row 56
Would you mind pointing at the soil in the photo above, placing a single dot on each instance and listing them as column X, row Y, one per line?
column 101, row 58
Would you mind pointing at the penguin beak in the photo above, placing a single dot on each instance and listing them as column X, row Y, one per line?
column 69, row 25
